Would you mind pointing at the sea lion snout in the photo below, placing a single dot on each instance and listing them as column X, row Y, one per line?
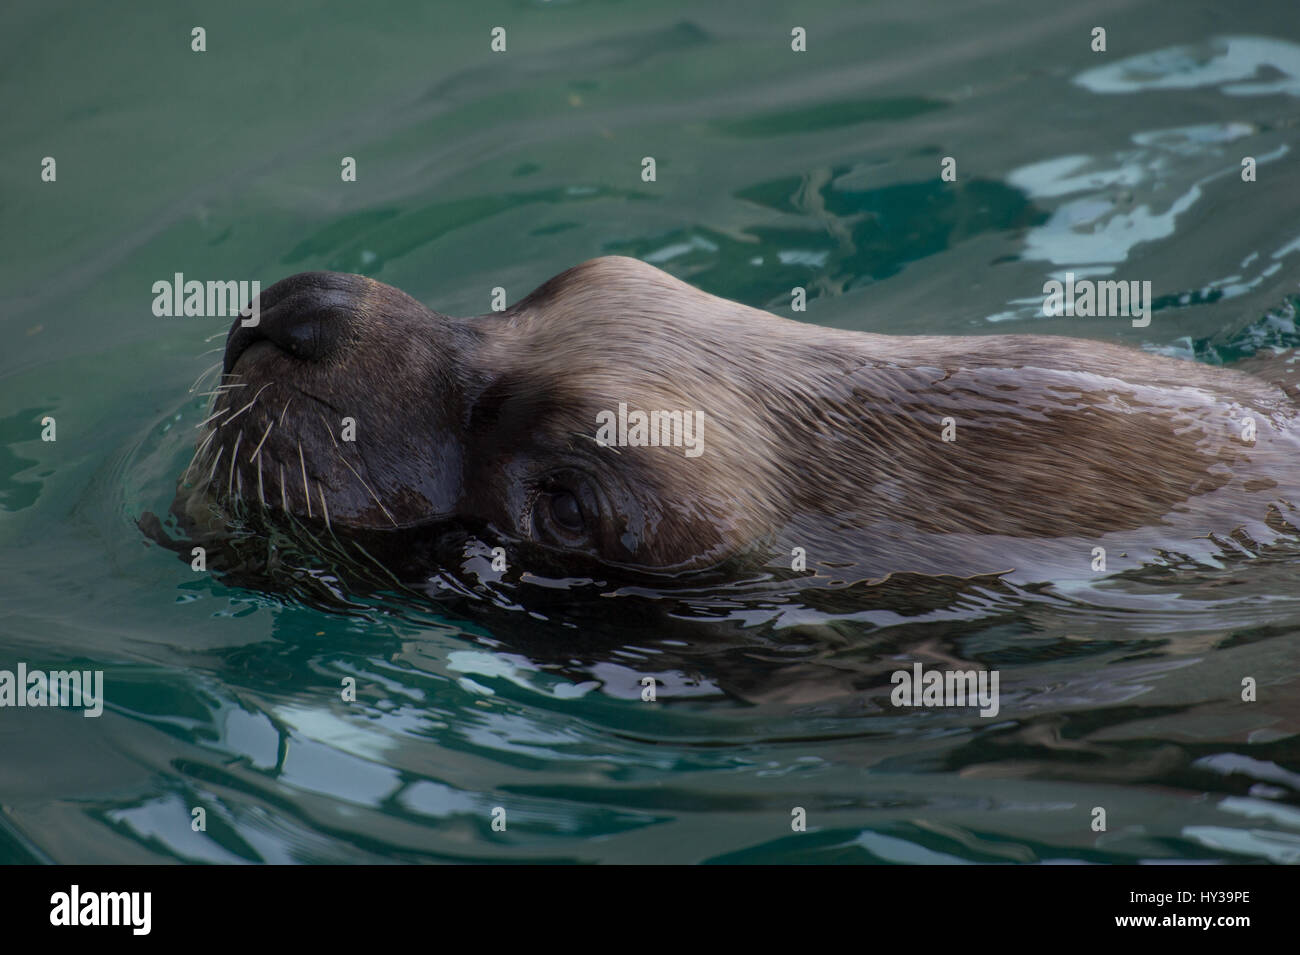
column 308, row 316
column 321, row 402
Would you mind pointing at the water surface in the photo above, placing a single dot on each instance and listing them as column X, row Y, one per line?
column 775, row 169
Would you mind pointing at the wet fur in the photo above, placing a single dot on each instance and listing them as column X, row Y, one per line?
column 824, row 439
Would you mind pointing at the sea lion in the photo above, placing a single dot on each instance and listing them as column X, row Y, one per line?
column 352, row 411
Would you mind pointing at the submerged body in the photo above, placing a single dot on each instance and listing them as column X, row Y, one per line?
column 353, row 409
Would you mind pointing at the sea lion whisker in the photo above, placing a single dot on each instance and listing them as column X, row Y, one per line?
column 207, row 371
column 207, row 439
column 234, row 457
column 257, row 450
column 260, row 496
column 306, row 490
column 190, row 467
column 215, row 461
column 284, row 502
column 327, row 428
column 198, row 452
column 592, row 438
column 211, row 418
column 250, row 404
column 368, row 489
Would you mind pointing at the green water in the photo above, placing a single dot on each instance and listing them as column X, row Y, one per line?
column 478, row 170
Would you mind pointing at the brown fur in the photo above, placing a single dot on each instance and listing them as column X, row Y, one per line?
column 819, row 438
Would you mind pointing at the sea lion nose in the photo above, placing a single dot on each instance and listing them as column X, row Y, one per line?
column 307, row 316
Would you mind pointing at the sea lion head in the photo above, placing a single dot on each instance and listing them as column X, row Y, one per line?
column 351, row 407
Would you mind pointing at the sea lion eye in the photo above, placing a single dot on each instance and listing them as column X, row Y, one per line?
column 565, row 510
